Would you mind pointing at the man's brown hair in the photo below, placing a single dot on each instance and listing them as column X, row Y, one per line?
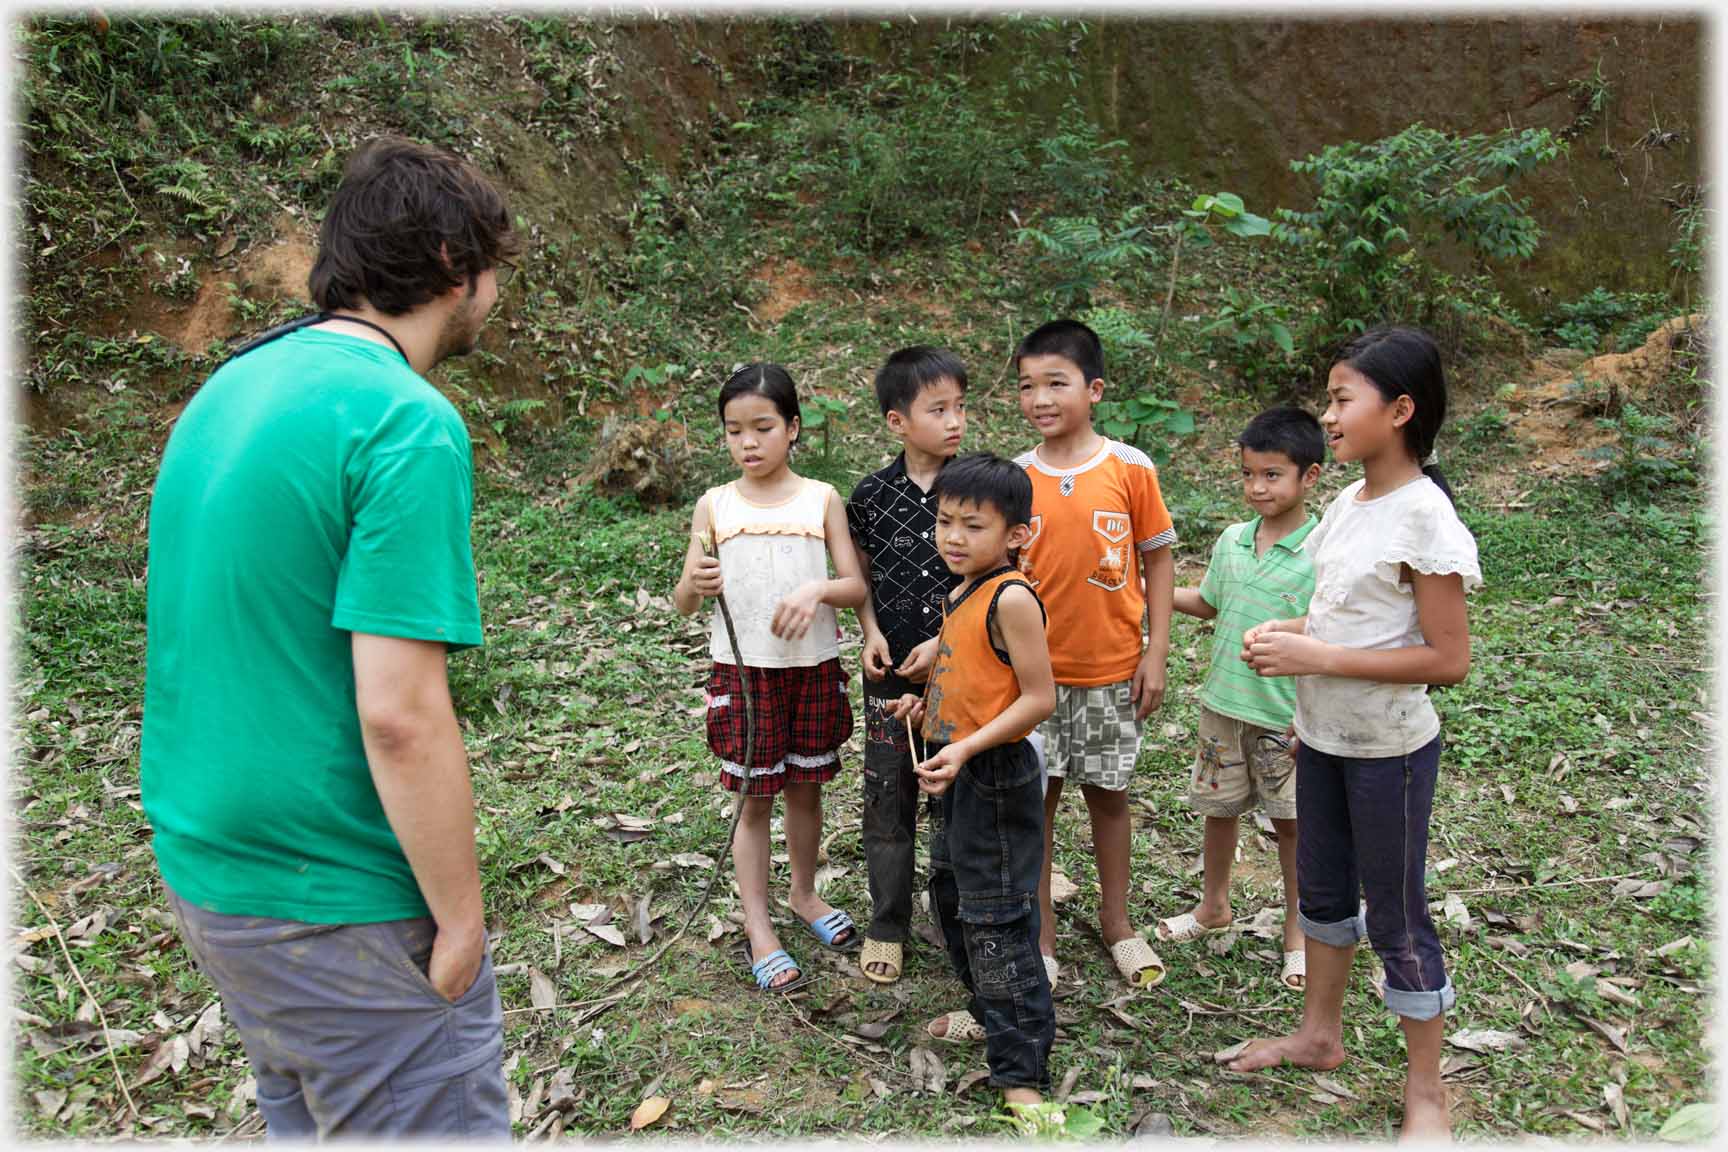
column 408, row 223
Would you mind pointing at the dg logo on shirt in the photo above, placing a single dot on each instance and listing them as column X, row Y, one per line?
column 1112, row 571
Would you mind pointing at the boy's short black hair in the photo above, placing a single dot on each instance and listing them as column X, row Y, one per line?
column 985, row 479
column 1288, row 430
column 910, row 371
column 1069, row 339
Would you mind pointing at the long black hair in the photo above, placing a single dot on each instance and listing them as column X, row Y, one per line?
column 1406, row 362
column 769, row 380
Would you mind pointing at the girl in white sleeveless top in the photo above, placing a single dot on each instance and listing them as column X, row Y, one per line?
column 1392, row 565
column 775, row 534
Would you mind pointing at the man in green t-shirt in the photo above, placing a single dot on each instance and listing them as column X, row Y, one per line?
column 302, row 767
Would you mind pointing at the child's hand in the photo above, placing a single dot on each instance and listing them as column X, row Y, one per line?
column 705, row 576
column 909, row 707
column 1253, row 634
column 920, row 661
column 793, row 614
column 877, row 660
column 1286, row 654
column 1147, row 688
column 938, row 772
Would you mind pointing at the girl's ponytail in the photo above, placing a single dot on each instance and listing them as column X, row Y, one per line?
column 1432, row 471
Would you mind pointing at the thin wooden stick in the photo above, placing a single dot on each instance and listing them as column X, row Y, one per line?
column 1547, row 884
column 1496, row 961
column 119, row 1077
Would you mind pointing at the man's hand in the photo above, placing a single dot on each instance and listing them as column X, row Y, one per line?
column 1148, row 685
column 877, row 660
column 456, row 957
column 1285, row 653
column 792, row 616
column 921, row 661
column 936, row 774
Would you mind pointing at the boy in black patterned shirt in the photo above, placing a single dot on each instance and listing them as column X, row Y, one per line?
column 922, row 392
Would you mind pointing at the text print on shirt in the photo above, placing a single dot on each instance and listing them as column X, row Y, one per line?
column 1112, row 571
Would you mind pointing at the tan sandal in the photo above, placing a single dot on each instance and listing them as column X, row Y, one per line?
column 962, row 1028
column 886, row 952
column 1295, row 973
column 1052, row 970
column 1137, row 962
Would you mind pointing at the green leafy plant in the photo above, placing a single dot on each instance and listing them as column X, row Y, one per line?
column 1483, row 428
column 1223, row 211
column 820, row 413
column 1606, row 321
column 1252, row 335
column 1142, row 414
column 1075, row 255
column 1639, row 459
column 1382, row 208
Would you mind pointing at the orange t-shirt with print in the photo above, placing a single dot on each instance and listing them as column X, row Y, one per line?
column 1088, row 524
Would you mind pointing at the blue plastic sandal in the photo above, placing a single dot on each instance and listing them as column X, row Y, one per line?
column 827, row 927
column 772, row 965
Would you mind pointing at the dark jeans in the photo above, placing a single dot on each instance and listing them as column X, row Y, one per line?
column 985, row 855
column 1362, row 833
column 890, row 811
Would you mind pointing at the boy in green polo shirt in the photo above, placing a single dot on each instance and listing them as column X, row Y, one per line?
column 1258, row 572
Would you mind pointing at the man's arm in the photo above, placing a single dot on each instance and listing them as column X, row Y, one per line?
column 420, row 768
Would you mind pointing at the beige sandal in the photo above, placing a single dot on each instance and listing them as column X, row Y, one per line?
column 1052, row 970
column 887, row 952
column 1295, row 973
column 1137, row 962
column 962, row 1028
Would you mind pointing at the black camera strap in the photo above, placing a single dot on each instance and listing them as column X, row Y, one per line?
column 282, row 330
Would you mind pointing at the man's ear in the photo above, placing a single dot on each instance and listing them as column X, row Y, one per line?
column 1019, row 536
column 463, row 291
column 896, row 422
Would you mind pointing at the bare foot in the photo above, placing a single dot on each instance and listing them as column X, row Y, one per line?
column 1297, row 1048
column 1426, row 1117
column 1213, row 917
column 1021, row 1096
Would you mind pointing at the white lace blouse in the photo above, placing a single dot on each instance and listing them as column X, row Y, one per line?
column 1358, row 550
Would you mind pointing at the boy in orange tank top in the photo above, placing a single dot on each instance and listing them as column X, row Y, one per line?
column 990, row 688
column 1099, row 557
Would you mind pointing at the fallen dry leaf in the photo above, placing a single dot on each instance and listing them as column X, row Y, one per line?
column 1589, row 1122
column 648, row 1112
column 693, row 860
column 607, row 933
column 1614, row 994
column 1225, row 1055
column 1614, row 1036
column 1061, row 888
column 971, row 1080
column 561, row 1093
column 1674, row 946
column 1581, row 970
column 556, row 866
column 1486, row 1040
column 1614, row 1099
column 741, row 1100
column 1327, row 1084
column 542, row 993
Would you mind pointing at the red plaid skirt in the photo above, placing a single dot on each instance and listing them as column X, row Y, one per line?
column 802, row 718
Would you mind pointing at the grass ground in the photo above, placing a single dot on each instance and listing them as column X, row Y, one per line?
column 1569, row 843
column 1570, row 855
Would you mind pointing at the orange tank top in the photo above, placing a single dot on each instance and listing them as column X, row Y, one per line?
column 973, row 681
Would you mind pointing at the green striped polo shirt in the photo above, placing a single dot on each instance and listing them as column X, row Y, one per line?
column 1247, row 590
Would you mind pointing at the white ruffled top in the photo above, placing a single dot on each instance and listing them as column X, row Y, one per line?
column 766, row 552
column 1359, row 549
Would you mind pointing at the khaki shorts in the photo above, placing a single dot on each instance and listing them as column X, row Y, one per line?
column 1093, row 737
column 1238, row 764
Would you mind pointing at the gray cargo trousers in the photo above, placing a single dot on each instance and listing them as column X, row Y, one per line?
column 346, row 1035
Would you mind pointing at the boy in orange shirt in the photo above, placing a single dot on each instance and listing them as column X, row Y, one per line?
column 1096, row 509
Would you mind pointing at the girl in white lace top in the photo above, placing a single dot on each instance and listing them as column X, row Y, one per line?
column 773, row 534
column 1392, row 564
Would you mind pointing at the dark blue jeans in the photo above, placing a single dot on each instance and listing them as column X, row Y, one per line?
column 985, row 856
column 1362, row 833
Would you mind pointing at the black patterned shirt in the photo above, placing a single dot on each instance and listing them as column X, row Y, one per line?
column 893, row 522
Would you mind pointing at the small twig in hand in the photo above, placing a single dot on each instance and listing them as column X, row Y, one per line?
column 119, row 1077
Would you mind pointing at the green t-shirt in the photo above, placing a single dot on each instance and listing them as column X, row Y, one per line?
column 1247, row 590
column 314, row 487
